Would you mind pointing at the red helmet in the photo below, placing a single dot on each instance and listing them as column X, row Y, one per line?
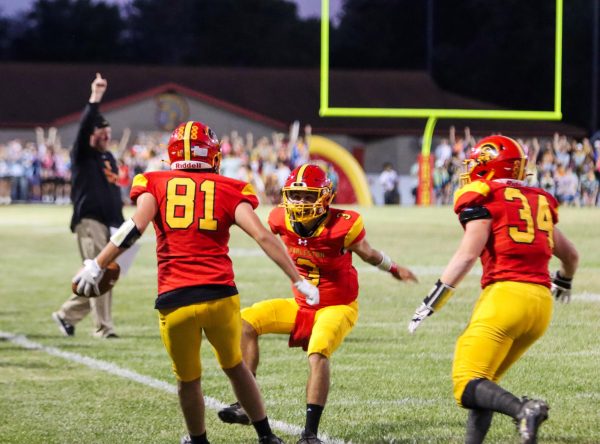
column 307, row 193
column 495, row 157
column 193, row 145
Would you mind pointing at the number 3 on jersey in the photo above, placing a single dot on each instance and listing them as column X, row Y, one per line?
column 181, row 202
column 543, row 219
column 314, row 274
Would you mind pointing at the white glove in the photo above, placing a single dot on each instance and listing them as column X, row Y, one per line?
column 420, row 314
column 310, row 292
column 88, row 278
column 561, row 288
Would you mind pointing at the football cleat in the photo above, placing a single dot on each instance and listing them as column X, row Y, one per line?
column 309, row 438
column 234, row 414
column 271, row 439
column 532, row 414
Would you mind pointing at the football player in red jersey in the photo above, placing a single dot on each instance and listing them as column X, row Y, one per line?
column 512, row 228
column 192, row 209
column 320, row 240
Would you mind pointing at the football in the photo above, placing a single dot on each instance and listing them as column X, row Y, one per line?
column 108, row 281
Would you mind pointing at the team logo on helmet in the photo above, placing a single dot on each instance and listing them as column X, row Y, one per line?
column 487, row 152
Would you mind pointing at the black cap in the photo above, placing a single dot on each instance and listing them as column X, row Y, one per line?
column 100, row 121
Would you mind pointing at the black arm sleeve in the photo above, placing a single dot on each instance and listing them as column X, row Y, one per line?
column 86, row 128
column 473, row 213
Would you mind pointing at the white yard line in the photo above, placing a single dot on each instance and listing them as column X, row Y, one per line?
column 108, row 367
column 587, row 297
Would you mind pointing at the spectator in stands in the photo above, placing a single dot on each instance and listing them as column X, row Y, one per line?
column 388, row 179
column 566, row 185
column 442, row 183
column 17, row 171
column 299, row 155
column 547, row 183
column 5, row 198
column 97, row 206
column 124, row 180
column 283, row 171
column 562, row 150
column 589, row 189
column 443, row 153
column 230, row 165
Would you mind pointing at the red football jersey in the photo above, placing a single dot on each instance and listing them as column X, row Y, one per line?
column 324, row 258
column 196, row 210
column 520, row 244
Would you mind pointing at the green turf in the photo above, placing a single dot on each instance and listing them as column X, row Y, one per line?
column 387, row 386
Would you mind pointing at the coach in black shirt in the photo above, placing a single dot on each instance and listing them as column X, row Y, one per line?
column 97, row 206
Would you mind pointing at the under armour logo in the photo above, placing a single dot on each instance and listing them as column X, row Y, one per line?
column 303, row 242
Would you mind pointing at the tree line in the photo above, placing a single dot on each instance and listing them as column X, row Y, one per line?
column 500, row 51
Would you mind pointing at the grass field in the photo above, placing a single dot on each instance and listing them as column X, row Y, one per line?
column 387, row 386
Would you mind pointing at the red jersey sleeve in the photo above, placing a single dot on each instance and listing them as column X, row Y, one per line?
column 474, row 194
column 248, row 195
column 276, row 220
column 139, row 186
column 356, row 232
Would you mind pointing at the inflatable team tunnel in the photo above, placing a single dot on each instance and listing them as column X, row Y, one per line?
column 352, row 186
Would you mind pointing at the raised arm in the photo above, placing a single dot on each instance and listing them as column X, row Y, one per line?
column 98, row 87
column 86, row 125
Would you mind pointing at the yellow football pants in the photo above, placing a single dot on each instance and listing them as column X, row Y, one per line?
column 181, row 332
column 507, row 319
column 332, row 324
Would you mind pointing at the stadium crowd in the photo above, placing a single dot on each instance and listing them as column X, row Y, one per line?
column 40, row 171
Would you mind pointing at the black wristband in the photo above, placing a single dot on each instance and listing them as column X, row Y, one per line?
column 562, row 281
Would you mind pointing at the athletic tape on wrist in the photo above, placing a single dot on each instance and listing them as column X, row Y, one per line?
column 386, row 262
column 126, row 235
column 438, row 295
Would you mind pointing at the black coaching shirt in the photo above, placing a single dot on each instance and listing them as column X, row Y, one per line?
column 94, row 190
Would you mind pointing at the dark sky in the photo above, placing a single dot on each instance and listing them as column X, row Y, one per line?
column 306, row 8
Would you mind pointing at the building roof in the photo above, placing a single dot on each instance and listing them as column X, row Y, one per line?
column 50, row 94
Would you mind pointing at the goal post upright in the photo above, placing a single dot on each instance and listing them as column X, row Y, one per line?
column 433, row 114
